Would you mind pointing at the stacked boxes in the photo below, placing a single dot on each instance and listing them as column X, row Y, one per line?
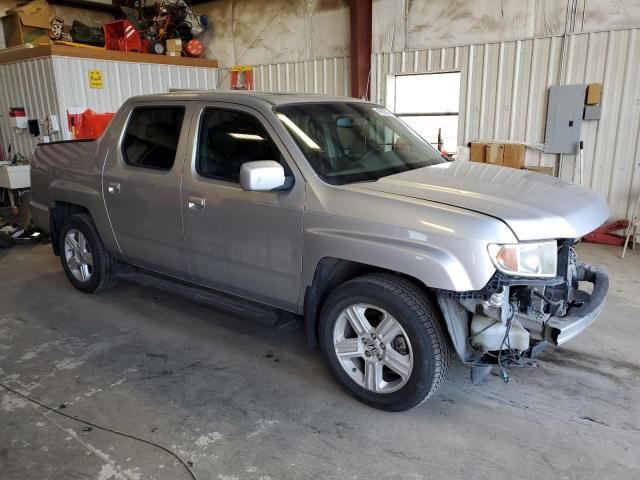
column 505, row 154
column 174, row 47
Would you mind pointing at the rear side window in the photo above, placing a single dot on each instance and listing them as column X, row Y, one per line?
column 229, row 138
column 151, row 138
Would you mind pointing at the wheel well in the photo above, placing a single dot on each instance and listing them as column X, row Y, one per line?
column 58, row 215
column 330, row 273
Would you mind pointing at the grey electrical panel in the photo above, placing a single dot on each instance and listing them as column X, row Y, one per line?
column 564, row 118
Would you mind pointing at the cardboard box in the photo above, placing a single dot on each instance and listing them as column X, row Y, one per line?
column 494, row 153
column 27, row 24
column 174, row 54
column 477, row 153
column 594, row 94
column 543, row 170
column 505, row 154
column 513, row 155
column 174, row 45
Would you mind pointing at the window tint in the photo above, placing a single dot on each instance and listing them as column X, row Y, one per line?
column 227, row 139
column 151, row 138
column 355, row 142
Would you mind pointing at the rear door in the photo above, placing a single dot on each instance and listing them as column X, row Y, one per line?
column 141, row 186
column 245, row 243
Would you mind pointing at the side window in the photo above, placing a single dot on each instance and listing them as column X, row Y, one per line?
column 151, row 138
column 229, row 138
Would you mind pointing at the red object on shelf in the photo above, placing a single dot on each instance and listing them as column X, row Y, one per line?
column 88, row 124
column 194, row 48
column 123, row 36
column 605, row 235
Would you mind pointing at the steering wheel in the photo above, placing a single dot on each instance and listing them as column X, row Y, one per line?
column 367, row 154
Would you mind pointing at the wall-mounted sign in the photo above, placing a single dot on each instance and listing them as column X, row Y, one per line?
column 241, row 77
column 95, row 79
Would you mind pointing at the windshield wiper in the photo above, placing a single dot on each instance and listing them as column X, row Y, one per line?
column 367, row 180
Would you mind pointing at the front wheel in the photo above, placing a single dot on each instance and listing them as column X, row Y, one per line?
column 384, row 341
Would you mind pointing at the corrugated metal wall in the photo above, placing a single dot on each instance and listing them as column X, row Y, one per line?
column 504, row 96
column 123, row 80
column 52, row 85
column 329, row 76
column 30, row 85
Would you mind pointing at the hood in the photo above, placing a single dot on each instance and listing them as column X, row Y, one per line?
column 535, row 206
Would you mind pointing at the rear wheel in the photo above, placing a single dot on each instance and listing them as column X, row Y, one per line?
column 5, row 240
column 384, row 341
column 85, row 260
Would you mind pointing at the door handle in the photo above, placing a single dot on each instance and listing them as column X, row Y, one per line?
column 195, row 203
column 113, row 187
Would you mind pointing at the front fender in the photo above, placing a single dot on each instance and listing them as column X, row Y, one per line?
column 432, row 265
column 434, row 257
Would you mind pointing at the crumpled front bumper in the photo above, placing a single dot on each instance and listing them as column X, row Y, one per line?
column 559, row 330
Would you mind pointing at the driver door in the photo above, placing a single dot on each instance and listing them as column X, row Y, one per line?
column 245, row 243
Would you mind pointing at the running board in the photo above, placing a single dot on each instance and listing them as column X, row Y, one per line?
column 263, row 315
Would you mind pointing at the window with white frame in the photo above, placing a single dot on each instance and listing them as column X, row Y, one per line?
column 429, row 103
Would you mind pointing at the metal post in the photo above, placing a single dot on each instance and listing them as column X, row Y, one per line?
column 361, row 30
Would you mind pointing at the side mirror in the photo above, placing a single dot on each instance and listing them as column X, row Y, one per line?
column 261, row 176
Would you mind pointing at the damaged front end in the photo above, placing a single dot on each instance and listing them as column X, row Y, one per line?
column 513, row 318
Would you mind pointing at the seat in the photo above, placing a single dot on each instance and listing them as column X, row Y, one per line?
column 225, row 155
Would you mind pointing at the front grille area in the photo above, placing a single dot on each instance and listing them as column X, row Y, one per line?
column 566, row 267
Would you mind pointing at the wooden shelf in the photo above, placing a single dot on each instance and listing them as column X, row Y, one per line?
column 88, row 5
column 18, row 54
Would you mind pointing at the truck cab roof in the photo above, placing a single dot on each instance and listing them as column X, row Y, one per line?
column 243, row 97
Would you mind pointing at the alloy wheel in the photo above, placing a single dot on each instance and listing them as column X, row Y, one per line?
column 373, row 348
column 77, row 253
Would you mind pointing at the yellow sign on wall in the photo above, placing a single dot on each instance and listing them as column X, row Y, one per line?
column 95, row 79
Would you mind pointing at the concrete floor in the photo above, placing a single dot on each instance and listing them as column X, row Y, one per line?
column 242, row 402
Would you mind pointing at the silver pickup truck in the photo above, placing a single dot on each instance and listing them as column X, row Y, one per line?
column 334, row 211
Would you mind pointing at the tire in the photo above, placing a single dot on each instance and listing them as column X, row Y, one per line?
column 157, row 47
column 419, row 341
column 5, row 240
column 99, row 275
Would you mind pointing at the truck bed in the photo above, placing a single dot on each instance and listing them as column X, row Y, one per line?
column 61, row 163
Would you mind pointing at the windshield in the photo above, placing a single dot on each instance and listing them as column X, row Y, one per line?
column 355, row 142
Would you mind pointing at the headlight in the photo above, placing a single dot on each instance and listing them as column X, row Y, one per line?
column 526, row 259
